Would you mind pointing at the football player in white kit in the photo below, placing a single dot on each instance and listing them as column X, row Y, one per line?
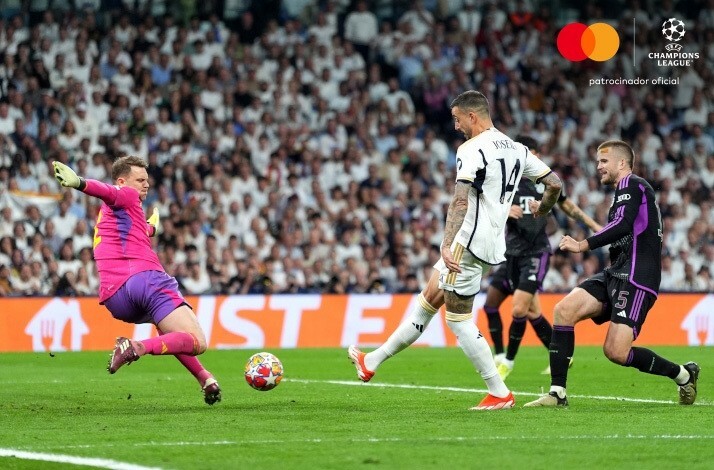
column 489, row 166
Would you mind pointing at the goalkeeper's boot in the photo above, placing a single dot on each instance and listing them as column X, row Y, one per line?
column 124, row 353
column 546, row 371
column 688, row 391
column 211, row 391
column 551, row 400
column 357, row 358
column 491, row 403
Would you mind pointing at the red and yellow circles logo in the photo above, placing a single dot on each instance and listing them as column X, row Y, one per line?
column 598, row 42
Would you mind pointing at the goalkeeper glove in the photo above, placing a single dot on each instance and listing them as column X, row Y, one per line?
column 154, row 220
column 67, row 177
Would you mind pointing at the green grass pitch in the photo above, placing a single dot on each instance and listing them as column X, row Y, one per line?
column 414, row 414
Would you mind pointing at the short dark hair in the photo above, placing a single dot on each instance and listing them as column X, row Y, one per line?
column 528, row 141
column 472, row 100
column 122, row 166
column 622, row 147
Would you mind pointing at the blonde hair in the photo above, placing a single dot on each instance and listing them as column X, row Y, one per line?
column 624, row 149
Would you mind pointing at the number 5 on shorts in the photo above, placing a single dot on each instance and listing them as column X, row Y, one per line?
column 622, row 299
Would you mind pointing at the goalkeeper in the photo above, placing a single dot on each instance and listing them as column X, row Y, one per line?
column 132, row 283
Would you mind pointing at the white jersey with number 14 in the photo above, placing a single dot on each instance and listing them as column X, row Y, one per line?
column 493, row 164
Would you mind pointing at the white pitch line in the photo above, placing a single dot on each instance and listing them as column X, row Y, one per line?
column 72, row 459
column 476, row 390
column 149, row 444
column 619, row 437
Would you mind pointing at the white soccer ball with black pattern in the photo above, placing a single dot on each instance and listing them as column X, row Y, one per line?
column 673, row 29
column 263, row 371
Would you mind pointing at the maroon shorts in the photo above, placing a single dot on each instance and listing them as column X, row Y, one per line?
column 146, row 297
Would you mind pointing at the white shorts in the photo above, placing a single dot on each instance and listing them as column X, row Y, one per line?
column 468, row 281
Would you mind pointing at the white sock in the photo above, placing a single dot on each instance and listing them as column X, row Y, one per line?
column 405, row 334
column 559, row 390
column 478, row 351
column 683, row 376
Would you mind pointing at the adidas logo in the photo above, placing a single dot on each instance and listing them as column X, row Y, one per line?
column 622, row 314
column 419, row 327
column 532, row 277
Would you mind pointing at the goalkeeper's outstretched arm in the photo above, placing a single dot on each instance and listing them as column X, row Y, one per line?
column 69, row 179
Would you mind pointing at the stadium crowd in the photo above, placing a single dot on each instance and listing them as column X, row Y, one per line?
column 307, row 146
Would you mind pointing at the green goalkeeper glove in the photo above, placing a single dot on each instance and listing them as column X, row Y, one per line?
column 67, row 177
column 154, row 220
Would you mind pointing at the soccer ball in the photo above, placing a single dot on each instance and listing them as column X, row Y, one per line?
column 263, row 371
column 673, row 29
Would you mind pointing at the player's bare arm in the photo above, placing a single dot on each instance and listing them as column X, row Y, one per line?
column 553, row 185
column 567, row 243
column 575, row 212
column 454, row 220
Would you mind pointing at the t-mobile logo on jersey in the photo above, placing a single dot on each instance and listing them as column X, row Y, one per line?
column 525, row 200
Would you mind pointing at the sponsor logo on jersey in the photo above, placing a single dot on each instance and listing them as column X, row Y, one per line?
column 524, row 200
column 622, row 197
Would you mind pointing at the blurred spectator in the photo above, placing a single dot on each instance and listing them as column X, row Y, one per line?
column 317, row 157
column 360, row 29
column 197, row 280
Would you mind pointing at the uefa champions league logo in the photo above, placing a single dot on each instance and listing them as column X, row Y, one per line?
column 673, row 31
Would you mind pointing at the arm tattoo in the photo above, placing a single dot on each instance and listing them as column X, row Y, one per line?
column 572, row 211
column 552, row 192
column 575, row 212
column 457, row 212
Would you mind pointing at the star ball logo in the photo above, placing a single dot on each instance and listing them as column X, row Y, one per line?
column 673, row 31
column 577, row 42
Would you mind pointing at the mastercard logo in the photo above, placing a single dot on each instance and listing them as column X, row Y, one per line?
column 598, row 42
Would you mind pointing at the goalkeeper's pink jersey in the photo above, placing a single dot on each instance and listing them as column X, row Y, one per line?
column 122, row 246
